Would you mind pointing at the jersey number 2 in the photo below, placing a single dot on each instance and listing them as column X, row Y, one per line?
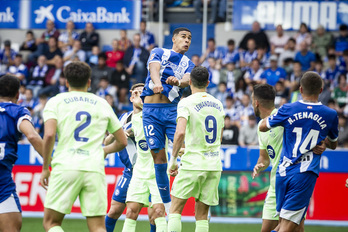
column 83, row 126
column 312, row 137
column 210, row 128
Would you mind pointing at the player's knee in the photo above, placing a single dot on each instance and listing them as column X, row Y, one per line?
column 132, row 214
column 158, row 212
column 115, row 212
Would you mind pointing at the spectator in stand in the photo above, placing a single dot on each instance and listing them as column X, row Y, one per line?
column 296, row 75
column 248, row 133
column 247, row 56
column 273, row 74
column 115, row 55
column 305, row 57
column 18, row 69
column 93, row 59
column 195, row 60
column 53, row 54
column 120, row 78
column 278, row 41
column 135, row 59
column 54, row 73
column 230, row 75
column 99, row 71
column 214, row 76
column 21, row 96
column 111, row 102
column 230, row 133
column 241, row 89
column 281, row 93
column 147, row 39
column 57, row 84
column 124, row 42
column 332, row 72
column 214, row 8
column 222, row 93
column 341, row 42
column 230, row 109
column 211, row 51
column 319, row 68
column 340, row 92
column 230, row 54
column 89, row 38
column 67, row 38
column 343, row 131
column 74, row 54
column 263, row 56
column 343, row 61
column 245, row 109
column 289, row 52
column 106, row 89
column 29, row 42
column 253, row 74
column 29, row 100
column 37, row 79
column 322, row 40
column 257, row 35
column 303, row 35
column 7, row 54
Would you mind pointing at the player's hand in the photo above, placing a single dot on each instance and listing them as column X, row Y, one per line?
column 319, row 149
column 172, row 81
column 173, row 171
column 44, row 178
column 257, row 169
column 158, row 88
column 108, row 140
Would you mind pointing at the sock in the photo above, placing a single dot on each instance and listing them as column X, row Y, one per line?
column 167, row 207
column 162, row 182
column 202, row 226
column 273, row 231
column 161, row 224
column 174, row 223
column 129, row 225
column 153, row 228
column 110, row 224
column 56, row 229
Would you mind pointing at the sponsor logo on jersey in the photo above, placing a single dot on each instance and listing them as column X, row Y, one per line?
column 143, row 145
column 271, row 152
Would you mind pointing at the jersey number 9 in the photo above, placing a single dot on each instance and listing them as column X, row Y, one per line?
column 210, row 127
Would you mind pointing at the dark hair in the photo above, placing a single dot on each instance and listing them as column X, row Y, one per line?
column 30, row 32
column 19, row 55
column 252, row 117
column 292, row 39
column 227, row 116
column 265, row 94
column 230, row 42
column 9, row 86
column 177, row 30
column 311, row 83
column 211, row 40
column 77, row 74
column 136, row 86
column 345, row 52
column 343, row 27
column 305, row 25
column 199, row 77
column 102, row 55
column 331, row 57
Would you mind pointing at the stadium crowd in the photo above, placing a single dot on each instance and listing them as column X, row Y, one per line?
column 279, row 61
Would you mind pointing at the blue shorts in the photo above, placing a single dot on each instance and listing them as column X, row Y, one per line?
column 159, row 121
column 120, row 193
column 293, row 194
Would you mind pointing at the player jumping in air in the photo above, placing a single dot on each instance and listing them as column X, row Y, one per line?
column 14, row 120
column 169, row 72
column 80, row 119
column 271, row 144
column 306, row 124
column 200, row 122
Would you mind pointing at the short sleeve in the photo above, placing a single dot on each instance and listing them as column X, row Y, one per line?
column 183, row 111
column 333, row 132
column 50, row 110
column 23, row 114
column 190, row 67
column 114, row 124
column 279, row 118
column 263, row 75
column 261, row 145
column 155, row 56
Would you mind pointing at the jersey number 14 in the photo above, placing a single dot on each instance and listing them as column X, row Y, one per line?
column 312, row 138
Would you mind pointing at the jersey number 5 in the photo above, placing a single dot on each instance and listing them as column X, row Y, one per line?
column 312, row 137
column 210, row 127
column 82, row 126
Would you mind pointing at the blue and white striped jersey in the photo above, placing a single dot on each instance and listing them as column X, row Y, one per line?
column 128, row 156
column 172, row 64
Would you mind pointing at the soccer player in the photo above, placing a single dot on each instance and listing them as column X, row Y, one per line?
column 306, row 124
column 80, row 119
column 200, row 123
column 143, row 182
column 14, row 120
column 169, row 72
column 271, row 144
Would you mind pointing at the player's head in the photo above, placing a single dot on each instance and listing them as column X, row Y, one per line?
column 311, row 84
column 181, row 39
column 199, row 77
column 9, row 86
column 135, row 90
column 78, row 74
column 263, row 97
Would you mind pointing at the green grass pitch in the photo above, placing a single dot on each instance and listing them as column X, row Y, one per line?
column 75, row 225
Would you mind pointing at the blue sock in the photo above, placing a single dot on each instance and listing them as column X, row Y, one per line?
column 162, row 182
column 110, row 224
column 153, row 228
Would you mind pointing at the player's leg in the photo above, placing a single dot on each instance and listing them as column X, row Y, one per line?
column 96, row 224
column 301, row 227
column 52, row 220
column 133, row 210
column 10, row 214
column 287, row 226
column 158, row 209
column 268, row 225
column 269, row 218
column 201, row 215
column 176, row 208
column 150, row 213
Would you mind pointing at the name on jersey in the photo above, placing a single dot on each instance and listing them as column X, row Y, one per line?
column 80, row 99
column 308, row 115
column 201, row 105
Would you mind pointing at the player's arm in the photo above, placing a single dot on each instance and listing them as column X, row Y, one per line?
column 183, row 83
column 263, row 125
column 48, row 142
column 154, row 68
column 262, row 163
column 34, row 138
column 331, row 144
column 119, row 144
column 179, row 138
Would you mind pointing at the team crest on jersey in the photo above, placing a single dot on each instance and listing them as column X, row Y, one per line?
column 117, row 192
column 183, row 64
column 271, row 151
column 143, row 145
column 2, row 109
column 151, row 141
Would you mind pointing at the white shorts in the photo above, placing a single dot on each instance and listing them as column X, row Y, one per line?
column 10, row 205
